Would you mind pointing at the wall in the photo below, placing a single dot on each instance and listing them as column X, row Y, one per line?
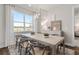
column 2, row 27
column 65, row 13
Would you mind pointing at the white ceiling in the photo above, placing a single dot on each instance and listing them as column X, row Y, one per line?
column 47, row 7
column 36, row 6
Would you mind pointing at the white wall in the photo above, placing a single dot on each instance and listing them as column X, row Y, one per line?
column 2, row 27
column 64, row 13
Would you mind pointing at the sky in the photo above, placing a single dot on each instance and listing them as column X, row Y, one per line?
column 18, row 16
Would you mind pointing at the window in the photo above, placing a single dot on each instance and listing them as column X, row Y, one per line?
column 28, row 23
column 22, row 22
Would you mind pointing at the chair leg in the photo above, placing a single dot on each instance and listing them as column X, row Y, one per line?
column 44, row 51
column 33, row 50
column 57, row 50
column 16, row 44
column 26, row 51
column 20, row 49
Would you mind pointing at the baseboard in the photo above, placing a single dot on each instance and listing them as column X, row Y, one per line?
column 72, row 45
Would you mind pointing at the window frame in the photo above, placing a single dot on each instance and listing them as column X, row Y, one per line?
column 24, row 27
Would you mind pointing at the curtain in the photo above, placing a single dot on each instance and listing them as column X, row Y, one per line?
column 9, row 34
column 36, row 22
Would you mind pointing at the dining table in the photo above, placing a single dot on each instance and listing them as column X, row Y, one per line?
column 52, row 41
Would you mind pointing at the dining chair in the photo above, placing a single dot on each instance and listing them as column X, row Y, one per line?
column 29, row 46
column 19, row 39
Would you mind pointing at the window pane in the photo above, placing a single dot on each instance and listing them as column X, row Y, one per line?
column 17, row 24
column 18, row 29
column 28, row 22
column 17, row 16
column 28, row 18
column 28, row 25
column 28, row 29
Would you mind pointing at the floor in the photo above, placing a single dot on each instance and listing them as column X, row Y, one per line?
column 12, row 50
column 4, row 51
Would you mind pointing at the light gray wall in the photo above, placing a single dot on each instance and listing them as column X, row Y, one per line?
column 2, row 27
column 65, row 13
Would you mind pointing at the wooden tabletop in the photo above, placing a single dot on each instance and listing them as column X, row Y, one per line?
column 52, row 40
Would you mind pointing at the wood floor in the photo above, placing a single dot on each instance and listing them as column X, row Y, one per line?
column 12, row 51
column 4, row 51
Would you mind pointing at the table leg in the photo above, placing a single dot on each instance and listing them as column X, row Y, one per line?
column 63, row 47
column 54, row 50
column 20, row 49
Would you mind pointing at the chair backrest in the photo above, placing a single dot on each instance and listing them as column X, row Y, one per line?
column 18, row 38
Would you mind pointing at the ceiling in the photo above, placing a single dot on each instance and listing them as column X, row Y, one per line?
column 36, row 6
column 46, row 7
